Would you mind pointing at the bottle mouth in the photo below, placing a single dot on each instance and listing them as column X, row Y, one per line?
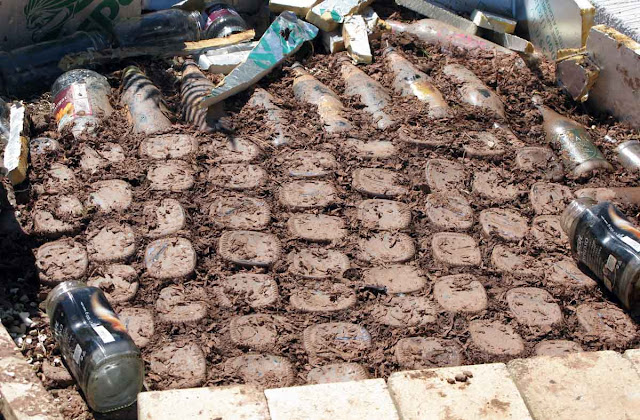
column 387, row 51
column 572, row 213
column 59, row 290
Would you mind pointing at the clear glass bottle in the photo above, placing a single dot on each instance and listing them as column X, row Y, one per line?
column 147, row 111
column 629, row 155
column 95, row 345
column 575, row 146
column 170, row 26
column 81, row 100
column 604, row 240
column 32, row 69
column 222, row 20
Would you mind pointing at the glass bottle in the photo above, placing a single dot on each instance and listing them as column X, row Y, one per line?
column 222, row 20
column 95, row 346
column 577, row 151
column 604, row 240
column 144, row 102
column 473, row 91
column 170, row 26
column 193, row 87
column 629, row 155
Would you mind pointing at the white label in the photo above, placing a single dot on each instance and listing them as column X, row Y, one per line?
column 81, row 104
column 631, row 242
column 611, row 263
column 77, row 352
column 104, row 334
column 14, row 147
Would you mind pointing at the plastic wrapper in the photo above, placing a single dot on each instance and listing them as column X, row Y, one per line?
column 15, row 144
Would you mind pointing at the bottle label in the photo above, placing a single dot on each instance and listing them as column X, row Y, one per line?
column 577, row 146
column 84, row 324
column 606, row 242
column 219, row 14
column 72, row 102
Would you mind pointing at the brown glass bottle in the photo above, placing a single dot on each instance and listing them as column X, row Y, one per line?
column 573, row 143
column 144, row 102
column 193, row 87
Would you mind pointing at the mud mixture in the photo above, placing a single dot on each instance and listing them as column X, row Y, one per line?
column 334, row 257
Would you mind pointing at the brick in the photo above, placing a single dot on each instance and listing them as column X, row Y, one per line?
column 242, row 402
column 488, row 393
column 600, row 385
column 22, row 395
column 367, row 399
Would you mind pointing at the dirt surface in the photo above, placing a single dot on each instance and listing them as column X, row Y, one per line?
column 272, row 308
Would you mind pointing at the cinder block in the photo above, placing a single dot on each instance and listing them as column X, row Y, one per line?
column 241, row 402
column 600, row 385
column 488, row 393
column 368, row 399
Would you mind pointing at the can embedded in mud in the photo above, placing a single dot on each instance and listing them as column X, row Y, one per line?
column 95, row 345
column 604, row 240
column 629, row 155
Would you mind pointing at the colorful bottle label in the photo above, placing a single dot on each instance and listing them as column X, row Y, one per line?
column 72, row 102
column 577, row 145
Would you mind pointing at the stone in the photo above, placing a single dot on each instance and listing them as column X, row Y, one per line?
column 170, row 258
column 255, row 290
column 322, row 296
column 119, row 282
column 237, row 176
column 139, row 324
column 449, row 211
column 62, row 260
column 423, row 352
column 599, row 385
column 169, row 146
column 548, row 233
column 337, row 372
column 170, row 175
column 317, row 228
column 549, row 198
column 368, row 399
column 565, row 274
column 302, row 195
column 489, row 393
column 394, row 279
column 515, row 261
column 381, row 183
column 455, row 249
column 259, row 332
column 336, row 340
column 240, row 212
column 248, row 248
column 557, row 348
column 534, row 308
column 112, row 243
column 244, row 402
column 540, row 161
column 372, row 149
column 382, row 214
column 445, row 175
column 495, row 186
column 318, row 263
column 163, row 218
column 386, row 247
column 495, row 339
column 460, row 293
column 605, row 323
column 261, row 370
column 178, row 365
column 405, row 311
column 177, row 305
column 310, row 164
column 506, row 224
column 110, row 195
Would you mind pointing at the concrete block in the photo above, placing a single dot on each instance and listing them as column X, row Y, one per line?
column 634, row 357
column 616, row 90
column 243, row 402
column 600, row 385
column 480, row 392
column 22, row 395
column 368, row 399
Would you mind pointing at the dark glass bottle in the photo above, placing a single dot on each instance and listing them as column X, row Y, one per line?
column 32, row 69
column 222, row 20
column 604, row 240
column 95, row 345
column 159, row 28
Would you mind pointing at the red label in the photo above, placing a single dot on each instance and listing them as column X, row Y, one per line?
column 71, row 102
column 220, row 13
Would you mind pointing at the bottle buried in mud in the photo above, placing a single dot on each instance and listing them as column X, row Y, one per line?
column 95, row 346
column 193, row 87
column 81, row 100
column 409, row 81
column 629, row 155
column 604, row 240
column 222, row 21
column 578, row 153
column 33, row 68
column 144, row 102
column 473, row 90
column 164, row 27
